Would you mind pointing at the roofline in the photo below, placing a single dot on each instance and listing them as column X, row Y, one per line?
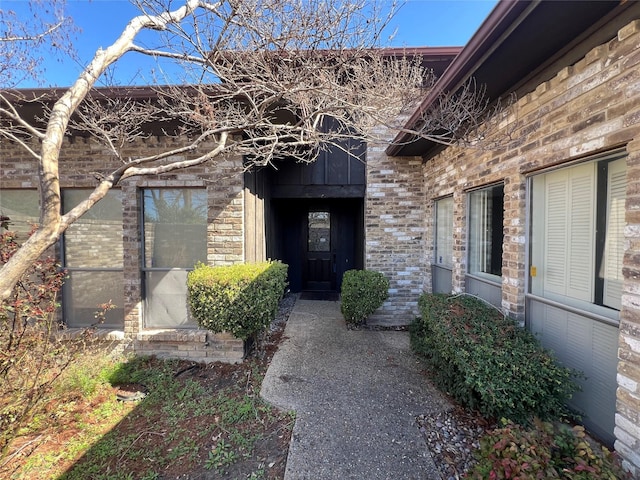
column 500, row 21
column 424, row 51
column 54, row 93
column 148, row 91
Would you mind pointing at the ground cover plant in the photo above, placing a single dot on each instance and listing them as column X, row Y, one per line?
column 496, row 370
column 196, row 421
column 545, row 450
column 488, row 363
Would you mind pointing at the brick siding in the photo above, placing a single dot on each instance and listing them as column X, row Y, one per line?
column 590, row 107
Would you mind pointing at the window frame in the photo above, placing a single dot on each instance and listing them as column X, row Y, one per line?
column 535, row 288
column 171, row 275
column 486, row 276
column 114, row 319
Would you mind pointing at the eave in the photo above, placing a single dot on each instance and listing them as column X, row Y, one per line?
column 520, row 45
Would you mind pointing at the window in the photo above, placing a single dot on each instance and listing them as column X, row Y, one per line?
column 486, row 213
column 319, row 224
column 577, row 237
column 444, row 232
column 93, row 257
column 21, row 206
column 175, row 239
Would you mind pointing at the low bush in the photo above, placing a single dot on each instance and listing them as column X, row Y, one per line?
column 545, row 451
column 39, row 365
column 363, row 292
column 240, row 299
column 31, row 359
column 488, row 363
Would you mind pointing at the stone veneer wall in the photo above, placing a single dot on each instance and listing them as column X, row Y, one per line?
column 589, row 107
column 223, row 180
column 395, row 213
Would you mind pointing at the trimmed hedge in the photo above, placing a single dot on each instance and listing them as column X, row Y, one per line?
column 488, row 363
column 362, row 293
column 240, row 299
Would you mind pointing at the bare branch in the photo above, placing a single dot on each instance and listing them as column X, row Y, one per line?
column 33, row 37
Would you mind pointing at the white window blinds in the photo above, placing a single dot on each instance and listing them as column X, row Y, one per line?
column 444, row 232
column 569, row 233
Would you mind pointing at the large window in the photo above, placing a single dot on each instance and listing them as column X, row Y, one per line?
column 577, row 239
column 486, row 213
column 175, row 239
column 444, row 232
column 93, row 258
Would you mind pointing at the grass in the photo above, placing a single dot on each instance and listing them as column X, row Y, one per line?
column 196, row 419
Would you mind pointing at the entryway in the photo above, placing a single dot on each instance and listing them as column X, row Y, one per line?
column 319, row 239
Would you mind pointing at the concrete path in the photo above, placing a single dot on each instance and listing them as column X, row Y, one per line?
column 356, row 395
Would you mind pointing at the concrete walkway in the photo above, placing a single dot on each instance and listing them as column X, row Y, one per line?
column 356, row 395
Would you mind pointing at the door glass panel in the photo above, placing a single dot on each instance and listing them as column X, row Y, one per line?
column 319, row 231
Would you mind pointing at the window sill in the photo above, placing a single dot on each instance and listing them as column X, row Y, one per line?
column 600, row 314
column 180, row 335
column 104, row 334
column 486, row 278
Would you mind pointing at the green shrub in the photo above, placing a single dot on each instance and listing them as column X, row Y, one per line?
column 487, row 362
column 544, row 451
column 239, row 299
column 363, row 292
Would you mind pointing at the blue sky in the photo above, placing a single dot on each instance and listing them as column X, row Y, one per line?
column 418, row 23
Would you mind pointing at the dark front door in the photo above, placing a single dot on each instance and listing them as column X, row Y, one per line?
column 319, row 240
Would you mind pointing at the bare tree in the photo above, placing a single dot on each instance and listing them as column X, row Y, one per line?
column 267, row 79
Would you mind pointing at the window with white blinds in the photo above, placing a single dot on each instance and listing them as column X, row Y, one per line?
column 486, row 232
column 577, row 236
column 444, row 232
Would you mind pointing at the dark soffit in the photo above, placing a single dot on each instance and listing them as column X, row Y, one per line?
column 520, row 45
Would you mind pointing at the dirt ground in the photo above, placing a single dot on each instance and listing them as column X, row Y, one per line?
column 144, row 431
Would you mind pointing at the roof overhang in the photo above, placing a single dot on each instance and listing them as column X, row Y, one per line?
column 31, row 101
column 520, row 45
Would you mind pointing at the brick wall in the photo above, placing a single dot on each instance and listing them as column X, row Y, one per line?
column 223, row 180
column 197, row 345
column 395, row 214
column 226, row 212
column 590, row 107
column 628, row 407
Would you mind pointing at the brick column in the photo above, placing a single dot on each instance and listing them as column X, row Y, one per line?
column 132, row 261
column 395, row 214
column 513, row 247
column 627, row 429
column 225, row 234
